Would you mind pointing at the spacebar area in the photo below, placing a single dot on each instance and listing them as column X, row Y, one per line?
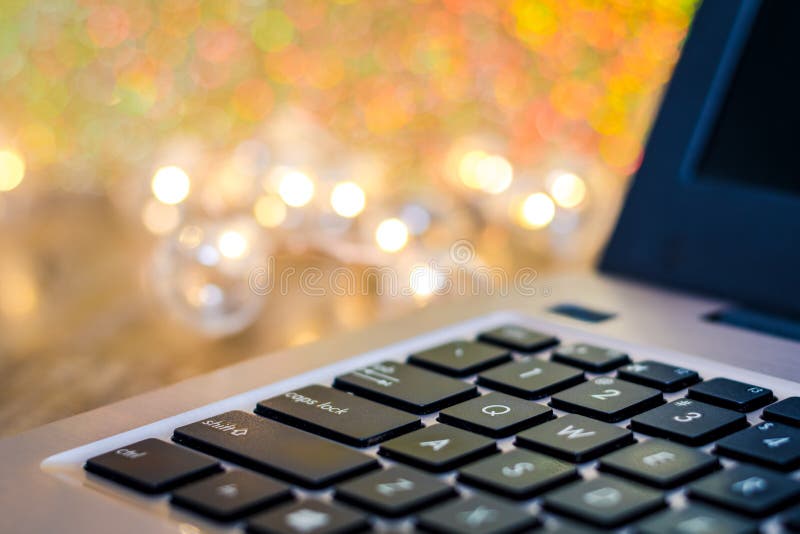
column 274, row 448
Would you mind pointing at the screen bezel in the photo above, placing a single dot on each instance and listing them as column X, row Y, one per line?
column 724, row 239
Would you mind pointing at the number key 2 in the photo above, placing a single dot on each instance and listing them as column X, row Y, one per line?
column 688, row 421
column 607, row 399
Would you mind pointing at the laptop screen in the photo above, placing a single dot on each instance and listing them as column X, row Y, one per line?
column 714, row 206
column 754, row 139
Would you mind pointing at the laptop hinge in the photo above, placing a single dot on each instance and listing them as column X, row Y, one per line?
column 786, row 326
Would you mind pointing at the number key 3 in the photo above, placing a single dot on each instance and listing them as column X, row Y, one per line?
column 688, row 421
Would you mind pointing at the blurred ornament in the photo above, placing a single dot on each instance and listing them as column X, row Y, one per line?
column 202, row 274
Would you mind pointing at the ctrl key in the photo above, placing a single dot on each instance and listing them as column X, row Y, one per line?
column 152, row 465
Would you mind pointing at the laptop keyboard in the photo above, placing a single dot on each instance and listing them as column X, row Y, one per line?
column 510, row 432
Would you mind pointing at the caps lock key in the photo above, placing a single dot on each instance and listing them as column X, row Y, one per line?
column 338, row 415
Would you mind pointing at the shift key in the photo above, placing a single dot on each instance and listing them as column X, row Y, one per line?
column 338, row 415
column 275, row 449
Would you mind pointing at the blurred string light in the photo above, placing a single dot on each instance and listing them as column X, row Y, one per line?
column 170, row 185
column 567, row 189
column 538, row 211
column 348, row 199
column 190, row 236
column 296, row 188
column 425, row 280
column 12, row 170
column 221, row 72
column 485, row 172
column 232, row 244
column 269, row 211
column 391, row 235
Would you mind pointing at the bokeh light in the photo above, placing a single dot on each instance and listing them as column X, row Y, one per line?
column 12, row 170
column 567, row 189
column 468, row 166
column 425, row 280
column 269, row 211
column 296, row 189
column 232, row 244
column 348, row 199
column 538, row 210
column 494, row 174
column 391, row 235
column 171, row 185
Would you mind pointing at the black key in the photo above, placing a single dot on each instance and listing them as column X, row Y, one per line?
column 406, row 387
column 338, row 415
column 460, row 358
column 496, row 415
column 689, row 421
column 395, row 492
column 275, row 449
column 531, row 378
column 659, row 463
column 696, row 519
column 770, row 444
column 731, row 394
column 605, row 501
column 518, row 338
column 607, row 399
column 438, row 448
column 575, row 438
column 747, row 489
column 481, row 514
column 152, row 465
column 572, row 527
column 308, row 517
column 232, row 495
column 590, row 357
column 518, row 474
column 791, row 519
column 658, row 375
column 785, row 411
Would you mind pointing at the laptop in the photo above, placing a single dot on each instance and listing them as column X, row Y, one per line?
column 659, row 394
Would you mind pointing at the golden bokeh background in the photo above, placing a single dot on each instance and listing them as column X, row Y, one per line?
column 139, row 137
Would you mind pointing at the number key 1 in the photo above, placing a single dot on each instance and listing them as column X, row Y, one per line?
column 689, row 421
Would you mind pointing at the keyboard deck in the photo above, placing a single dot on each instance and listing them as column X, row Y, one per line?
column 500, row 424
